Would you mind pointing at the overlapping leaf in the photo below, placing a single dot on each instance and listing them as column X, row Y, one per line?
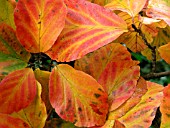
column 88, row 27
column 35, row 114
column 39, row 22
column 94, row 63
column 132, row 7
column 77, row 97
column 18, row 90
column 100, row 2
column 7, row 121
column 12, row 55
column 164, row 108
column 159, row 9
column 144, row 112
column 7, row 9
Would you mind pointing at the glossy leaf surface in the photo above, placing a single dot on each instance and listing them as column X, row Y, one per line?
column 19, row 85
column 7, row 9
column 39, row 22
column 12, row 55
column 88, row 27
column 164, row 108
column 77, row 97
column 35, row 114
column 132, row 7
column 144, row 112
column 7, row 121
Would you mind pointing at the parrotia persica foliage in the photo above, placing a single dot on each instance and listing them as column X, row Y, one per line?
column 104, row 87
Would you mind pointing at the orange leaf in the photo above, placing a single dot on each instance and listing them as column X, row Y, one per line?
column 144, row 112
column 39, row 22
column 35, row 114
column 19, row 85
column 132, row 7
column 12, row 55
column 165, row 52
column 100, row 2
column 77, row 97
column 94, row 63
column 88, row 27
column 164, row 108
column 119, row 80
column 7, row 121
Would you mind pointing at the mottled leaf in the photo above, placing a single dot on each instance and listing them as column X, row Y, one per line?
column 132, row 7
column 100, row 2
column 7, row 121
column 88, row 27
column 165, row 52
column 77, row 97
column 119, row 80
column 159, row 9
column 43, row 78
column 18, row 90
column 39, row 22
column 94, row 63
column 164, row 108
column 12, row 55
column 144, row 112
column 7, row 9
column 35, row 114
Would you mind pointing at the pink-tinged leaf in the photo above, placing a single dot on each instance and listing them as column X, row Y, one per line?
column 12, row 55
column 165, row 52
column 144, row 112
column 77, row 97
column 18, row 90
column 119, row 80
column 35, row 114
column 159, row 9
column 164, row 108
column 94, row 63
column 7, row 121
column 132, row 7
column 39, row 22
column 88, row 27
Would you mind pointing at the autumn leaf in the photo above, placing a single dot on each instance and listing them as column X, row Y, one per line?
column 100, row 2
column 159, row 9
column 77, row 97
column 7, row 121
column 18, row 90
column 88, row 27
column 164, row 108
column 144, row 112
column 12, row 55
column 7, row 9
column 38, row 23
column 35, row 114
column 132, row 7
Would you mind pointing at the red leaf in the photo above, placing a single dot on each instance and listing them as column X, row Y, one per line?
column 77, row 97
column 88, row 27
column 18, row 90
column 39, row 22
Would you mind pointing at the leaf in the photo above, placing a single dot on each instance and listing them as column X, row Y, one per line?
column 19, row 85
column 88, row 27
column 94, row 63
column 77, row 97
column 38, row 23
column 144, row 112
column 43, row 78
column 159, row 9
column 164, row 108
column 164, row 52
column 132, row 7
column 7, row 121
column 119, row 80
column 7, row 9
column 100, row 2
column 35, row 114
column 12, row 55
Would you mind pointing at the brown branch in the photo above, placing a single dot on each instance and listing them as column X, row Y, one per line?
column 156, row 75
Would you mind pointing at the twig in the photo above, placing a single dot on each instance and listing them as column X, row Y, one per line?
column 156, row 75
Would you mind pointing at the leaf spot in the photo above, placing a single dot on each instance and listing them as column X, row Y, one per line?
column 97, row 95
